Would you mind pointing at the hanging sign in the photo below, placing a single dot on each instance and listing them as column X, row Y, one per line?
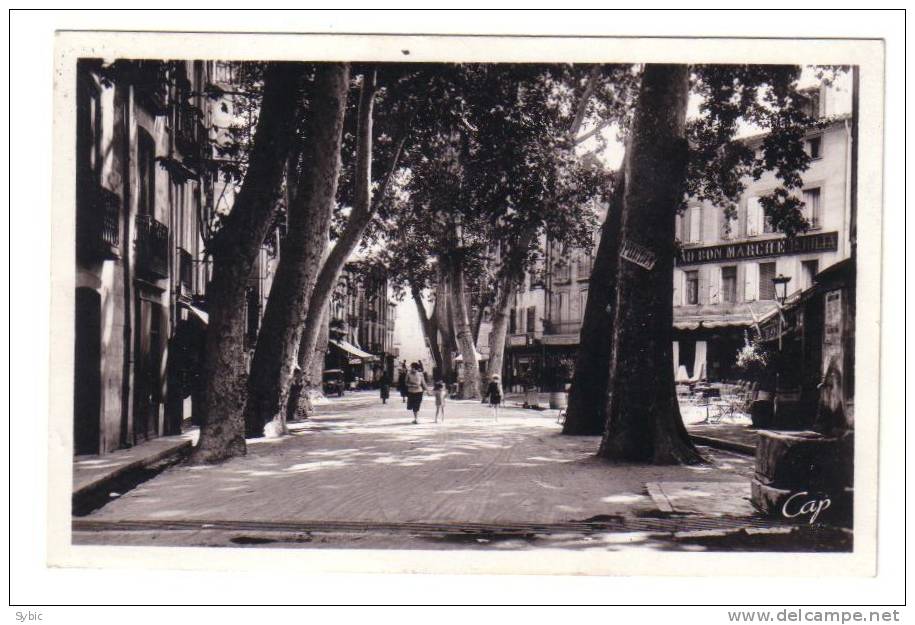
column 637, row 254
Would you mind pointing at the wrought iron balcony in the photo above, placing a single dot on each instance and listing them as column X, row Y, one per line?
column 190, row 135
column 152, row 247
column 584, row 266
column 562, row 274
column 98, row 224
column 561, row 327
column 150, row 84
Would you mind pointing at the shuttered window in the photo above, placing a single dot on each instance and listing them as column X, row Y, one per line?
column 754, row 216
column 766, row 286
column 692, row 288
column 695, row 224
column 812, row 207
column 751, row 284
column 729, row 285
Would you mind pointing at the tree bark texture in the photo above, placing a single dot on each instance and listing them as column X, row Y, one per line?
column 471, row 387
column 359, row 219
column 308, row 383
column 443, row 321
column 428, row 330
column 643, row 416
column 478, row 322
column 586, row 412
column 309, row 222
column 512, row 271
column 235, row 250
column 499, row 330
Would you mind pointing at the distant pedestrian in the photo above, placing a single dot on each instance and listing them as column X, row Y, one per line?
column 384, row 384
column 494, row 395
column 416, row 386
column 402, row 382
column 440, row 393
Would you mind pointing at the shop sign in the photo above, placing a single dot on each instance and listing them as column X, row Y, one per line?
column 517, row 340
column 559, row 339
column 805, row 244
column 638, row 254
column 832, row 319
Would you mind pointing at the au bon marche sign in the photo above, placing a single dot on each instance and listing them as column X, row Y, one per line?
column 745, row 250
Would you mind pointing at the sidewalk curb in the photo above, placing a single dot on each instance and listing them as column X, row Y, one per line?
column 141, row 463
column 726, row 445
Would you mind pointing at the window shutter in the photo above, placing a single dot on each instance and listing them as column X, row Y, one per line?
column 714, row 291
column 751, row 291
column 754, row 214
column 678, row 287
column 695, row 224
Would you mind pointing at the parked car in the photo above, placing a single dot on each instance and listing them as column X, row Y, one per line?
column 334, row 382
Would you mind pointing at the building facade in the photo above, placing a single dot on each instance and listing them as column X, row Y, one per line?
column 361, row 326
column 722, row 281
column 142, row 197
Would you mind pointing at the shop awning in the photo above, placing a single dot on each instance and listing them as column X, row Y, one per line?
column 745, row 316
column 351, row 349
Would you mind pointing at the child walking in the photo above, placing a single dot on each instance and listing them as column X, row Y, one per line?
column 440, row 394
column 494, row 395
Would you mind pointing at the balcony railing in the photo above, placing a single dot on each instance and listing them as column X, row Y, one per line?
column 585, row 265
column 562, row 274
column 152, row 247
column 190, row 135
column 561, row 327
column 98, row 224
column 150, row 82
column 537, row 280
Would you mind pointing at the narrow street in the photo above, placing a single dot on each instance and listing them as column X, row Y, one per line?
column 361, row 474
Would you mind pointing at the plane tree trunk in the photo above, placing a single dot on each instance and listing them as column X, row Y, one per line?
column 235, row 250
column 429, row 332
column 512, row 274
column 500, row 311
column 309, row 221
column 443, row 321
column 470, row 364
column 363, row 211
column 643, row 417
column 586, row 412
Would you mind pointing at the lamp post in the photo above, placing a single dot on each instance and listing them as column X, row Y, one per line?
column 781, row 281
column 781, row 284
column 781, row 293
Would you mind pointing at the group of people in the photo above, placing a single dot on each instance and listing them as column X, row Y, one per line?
column 412, row 384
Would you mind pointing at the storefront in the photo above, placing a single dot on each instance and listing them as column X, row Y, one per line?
column 706, row 342
column 356, row 364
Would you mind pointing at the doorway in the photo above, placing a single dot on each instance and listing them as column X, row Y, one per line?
column 87, row 372
column 147, row 370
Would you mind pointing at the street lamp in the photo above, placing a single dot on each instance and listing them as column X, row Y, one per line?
column 781, row 281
